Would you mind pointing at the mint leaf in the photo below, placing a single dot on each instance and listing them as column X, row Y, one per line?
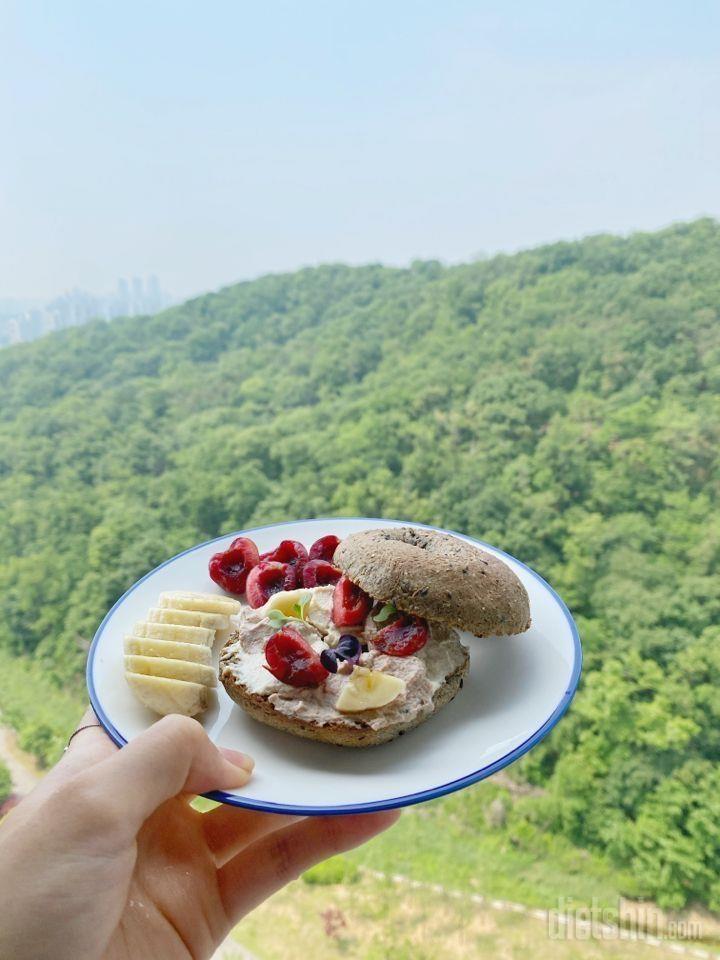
column 299, row 607
column 385, row 613
column 278, row 618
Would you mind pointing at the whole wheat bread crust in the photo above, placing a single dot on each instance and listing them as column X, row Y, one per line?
column 437, row 576
column 260, row 708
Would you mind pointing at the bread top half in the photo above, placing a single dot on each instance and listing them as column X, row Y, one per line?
column 437, row 576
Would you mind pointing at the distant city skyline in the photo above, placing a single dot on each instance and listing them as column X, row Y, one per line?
column 20, row 322
column 212, row 143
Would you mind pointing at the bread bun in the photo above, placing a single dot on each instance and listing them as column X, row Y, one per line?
column 437, row 576
column 357, row 734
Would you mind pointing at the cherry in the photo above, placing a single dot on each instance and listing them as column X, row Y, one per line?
column 288, row 551
column 230, row 568
column 268, row 578
column 324, row 548
column 292, row 660
column 318, row 573
column 351, row 605
column 402, row 637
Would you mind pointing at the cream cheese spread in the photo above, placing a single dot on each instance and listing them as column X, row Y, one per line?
column 243, row 660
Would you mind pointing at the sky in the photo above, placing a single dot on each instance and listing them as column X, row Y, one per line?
column 213, row 142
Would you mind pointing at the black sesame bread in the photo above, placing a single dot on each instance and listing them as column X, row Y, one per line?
column 437, row 576
column 358, row 733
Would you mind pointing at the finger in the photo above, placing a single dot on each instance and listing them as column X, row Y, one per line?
column 173, row 756
column 89, row 747
column 86, row 746
column 229, row 830
column 266, row 866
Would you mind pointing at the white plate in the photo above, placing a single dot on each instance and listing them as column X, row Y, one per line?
column 517, row 690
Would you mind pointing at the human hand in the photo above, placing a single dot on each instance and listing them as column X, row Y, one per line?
column 107, row 859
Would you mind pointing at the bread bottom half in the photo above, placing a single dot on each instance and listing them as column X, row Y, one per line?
column 260, row 708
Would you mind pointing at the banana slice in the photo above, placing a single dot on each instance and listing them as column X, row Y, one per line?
column 164, row 695
column 314, row 603
column 173, row 669
column 173, row 631
column 200, row 602
column 285, row 601
column 367, row 690
column 170, row 649
column 168, row 659
column 188, row 618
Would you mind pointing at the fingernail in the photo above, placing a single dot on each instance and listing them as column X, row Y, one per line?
column 238, row 759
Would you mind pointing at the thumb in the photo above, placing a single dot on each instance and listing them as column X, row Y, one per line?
column 173, row 756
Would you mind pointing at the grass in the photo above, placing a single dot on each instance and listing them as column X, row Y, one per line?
column 450, row 842
column 367, row 920
column 43, row 713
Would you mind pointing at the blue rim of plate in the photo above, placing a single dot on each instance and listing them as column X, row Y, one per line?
column 391, row 803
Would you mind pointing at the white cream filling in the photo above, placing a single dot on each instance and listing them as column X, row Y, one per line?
column 243, row 659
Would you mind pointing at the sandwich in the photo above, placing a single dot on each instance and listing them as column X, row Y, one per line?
column 363, row 654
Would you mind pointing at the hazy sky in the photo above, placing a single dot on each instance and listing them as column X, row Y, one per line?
column 209, row 142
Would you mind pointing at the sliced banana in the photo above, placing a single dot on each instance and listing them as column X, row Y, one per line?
column 165, row 695
column 367, row 690
column 174, row 631
column 189, row 618
column 169, row 649
column 200, row 602
column 168, row 658
column 285, row 601
column 172, row 669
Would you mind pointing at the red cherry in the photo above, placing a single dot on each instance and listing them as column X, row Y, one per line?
column 324, row 548
column 288, row 551
column 292, row 660
column 318, row 573
column 351, row 605
column 402, row 637
column 230, row 568
column 266, row 579
column 241, row 542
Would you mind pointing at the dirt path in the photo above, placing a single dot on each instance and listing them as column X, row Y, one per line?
column 23, row 768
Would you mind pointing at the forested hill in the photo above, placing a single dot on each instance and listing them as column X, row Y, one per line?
column 562, row 403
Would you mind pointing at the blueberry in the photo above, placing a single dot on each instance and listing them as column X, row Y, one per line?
column 329, row 660
column 348, row 648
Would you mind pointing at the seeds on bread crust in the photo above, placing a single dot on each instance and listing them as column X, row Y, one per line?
column 437, row 576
